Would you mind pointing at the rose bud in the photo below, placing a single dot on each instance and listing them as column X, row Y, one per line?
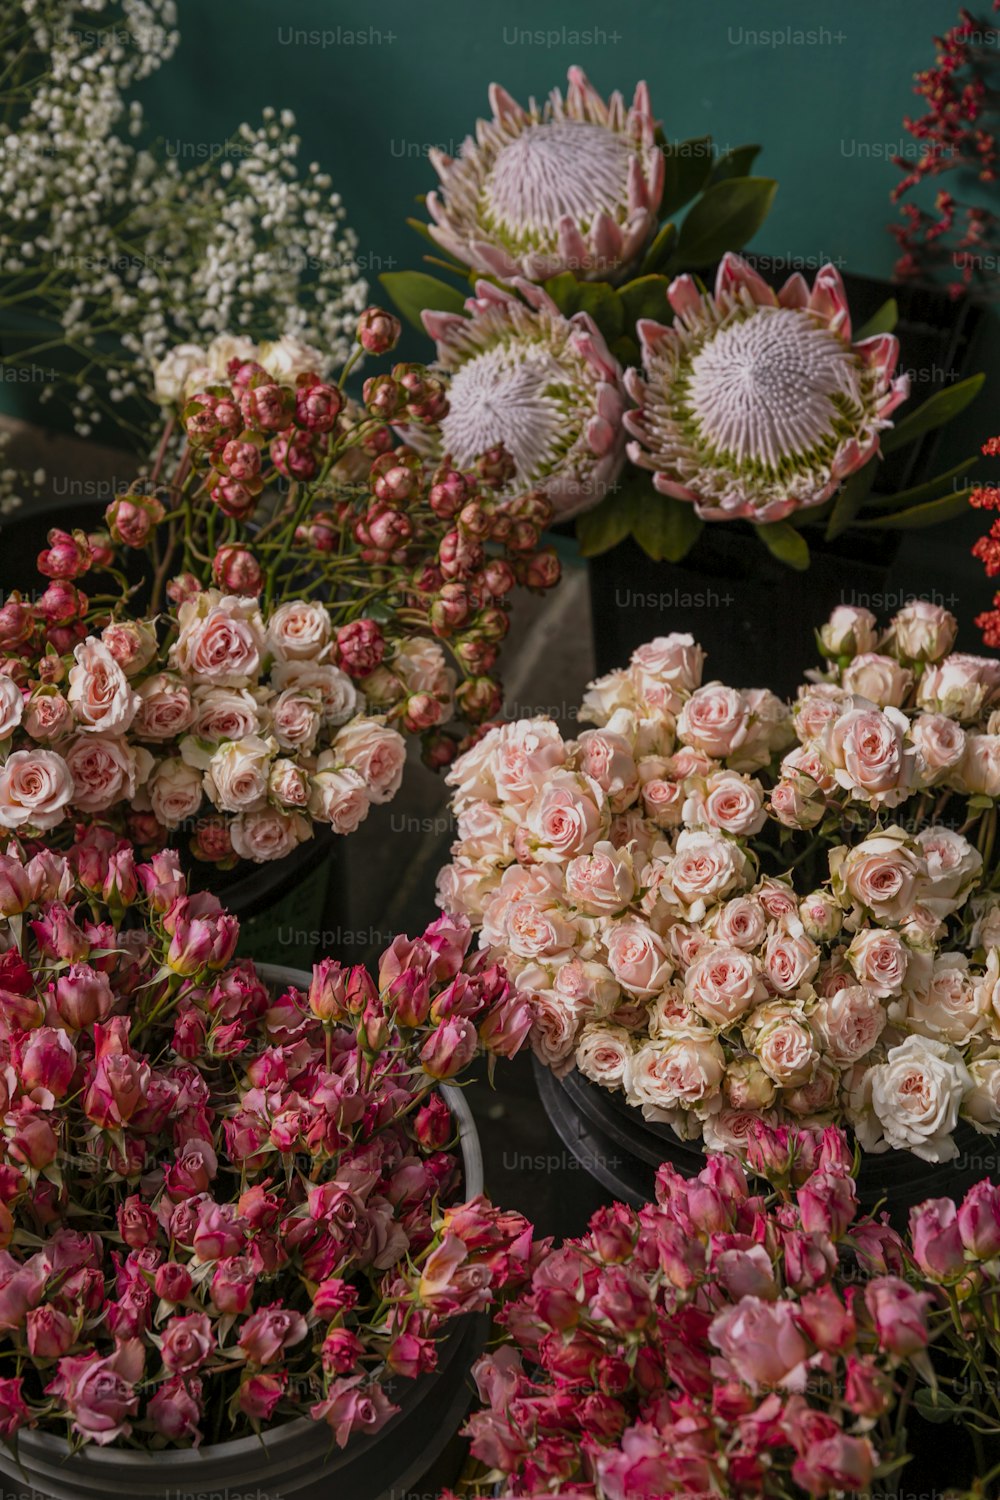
column 334, row 1295
column 479, row 698
column 48, row 1061
column 449, row 1048
column 260, row 1394
column 237, row 571
column 173, row 1282
column 382, row 396
column 234, row 499
column 433, row 1124
column 233, row 1284
column 438, row 750
column 83, row 996
column 175, row 1410
column 241, row 460
column 16, row 623
column 294, row 456
column 211, row 841
column 541, row 571
column 182, row 587
column 979, row 1221
column 318, row 406
column 422, row 711
column 327, row 991
column 136, row 1223
column 50, row 1333
column 61, row 603
column 936, row 1239
column 132, row 519
column 497, row 577
column 360, row 647
column 15, row 887
column 378, row 331
column 448, row 493
column 67, row 555
column 266, row 406
column 32, row 1141
column 341, row 1351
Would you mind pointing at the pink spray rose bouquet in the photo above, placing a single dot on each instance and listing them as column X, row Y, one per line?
column 729, row 907
column 217, row 1201
column 287, row 594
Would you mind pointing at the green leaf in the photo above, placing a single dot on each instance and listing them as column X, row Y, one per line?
column 735, row 163
column 413, row 291
column 884, row 321
column 725, row 217
column 934, row 412
column 687, row 166
column 786, row 544
column 936, row 1406
column 646, row 297
column 661, row 249
column 927, row 491
column 979, row 802
column 852, row 496
column 564, row 290
column 666, row 529
column 602, row 528
column 931, row 514
column 603, row 304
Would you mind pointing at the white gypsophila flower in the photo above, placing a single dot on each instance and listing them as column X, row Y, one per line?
column 125, row 252
column 545, row 387
column 572, row 185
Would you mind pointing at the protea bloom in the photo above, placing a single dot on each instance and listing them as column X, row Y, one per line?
column 572, row 186
column 544, row 386
column 756, row 403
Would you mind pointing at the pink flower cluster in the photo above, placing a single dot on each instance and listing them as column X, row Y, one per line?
column 720, row 1341
column 217, row 1202
column 730, row 907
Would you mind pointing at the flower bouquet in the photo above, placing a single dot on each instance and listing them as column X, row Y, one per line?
column 601, row 305
column 731, row 908
column 747, row 1339
column 216, row 1199
column 236, row 654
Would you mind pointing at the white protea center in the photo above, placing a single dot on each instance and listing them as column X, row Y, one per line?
column 567, row 167
column 774, row 389
column 517, row 394
column 756, row 403
column 544, row 386
column 571, row 185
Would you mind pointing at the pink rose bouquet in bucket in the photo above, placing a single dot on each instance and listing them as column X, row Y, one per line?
column 217, row 1201
column 240, row 653
column 731, row 907
column 746, row 1338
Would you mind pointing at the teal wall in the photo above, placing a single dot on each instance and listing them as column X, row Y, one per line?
column 827, row 108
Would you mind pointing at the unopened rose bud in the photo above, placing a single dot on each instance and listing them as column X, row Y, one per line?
column 15, row 887
column 16, row 623
column 67, row 555
column 361, row 991
column 850, row 631
column 449, row 1048
column 476, row 656
column 459, row 556
column 448, row 493
column 479, row 698
column 318, row 406
column 182, row 587
column 237, row 571
column 61, row 603
column 543, row 570
column 378, row 330
column 497, row 577
column 241, row 460
column 294, row 456
column 422, row 711
column 451, row 609
column 132, row 519
column 821, row 916
column 234, row 499
column 328, row 991
column 360, row 647
column 496, row 467
column 492, row 624
column 266, row 407
column 432, row 403
column 522, row 537
column 438, row 750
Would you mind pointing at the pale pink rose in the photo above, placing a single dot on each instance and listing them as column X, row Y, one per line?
column 541, row 884
column 817, row 706
column 11, row 707
column 132, row 643
column 679, row 1071
column 687, row 762
column 981, row 1103
column 376, row 751
column 567, row 817
column 675, row 659
column 602, row 1053
column 220, row 639
column 471, row 774
column 953, row 868
column 849, row 1023
column 741, row 923
column 778, row 899
column 99, row 693
column 670, row 1012
column 298, row 631
column 650, row 698
column 986, row 929
column 684, row 943
column 48, row 715
column 807, row 761
column 606, row 695
column 340, row 798
column 237, row 776
column 295, row 719
column 879, row 959
column 818, row 1095
column 463, row 888
column 953, row 1007
column 922, row 631
column 879, row 875
column 880, row 679
column 789, row 959
column 706, row 867
column 220, row 714
column 35, row 788
column 723, row 983
column 607, row 758
column 797, row 802
column 866, row 748
column 916, row 1095
column 849, row 631
column 422, row 666
column 176, row 791
column 338, row 697
column 784, row 1046
column 761, row 1343
column 714, row 719
column 960, row 686
column 589, row 985
column 524, row 756
column 165, row 708
column 747, row 1086
column 288, row 784
column 732, row 804
column 555, row 1025
column 771, row 729
column 534, row 928
column 820, row 916
column 600, row 883
column 978, row 772
column 663, row 801
column 731, row 1129
column 940, row 746
column 268, row 833
column 105, row 770
column 637, row 958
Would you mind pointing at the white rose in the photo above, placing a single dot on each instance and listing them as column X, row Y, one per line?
column 981, row 1105
column 223, row 349
column 298, row 631
column 337, row 694
column 237, row 775
column 916, row 1095
column 289, row 357
column 374, row 750
column 267, row 833
column 602, row 1053
column 340, row 798
column 170, row 374
column 35, row 787
column 11, row 706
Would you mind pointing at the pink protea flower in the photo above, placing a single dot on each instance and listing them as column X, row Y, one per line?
column 545, row 387
column 573, row 185
column 756, row 403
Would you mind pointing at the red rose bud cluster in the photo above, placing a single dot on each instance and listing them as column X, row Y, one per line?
column 214, row 1194
column 728, row 1339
